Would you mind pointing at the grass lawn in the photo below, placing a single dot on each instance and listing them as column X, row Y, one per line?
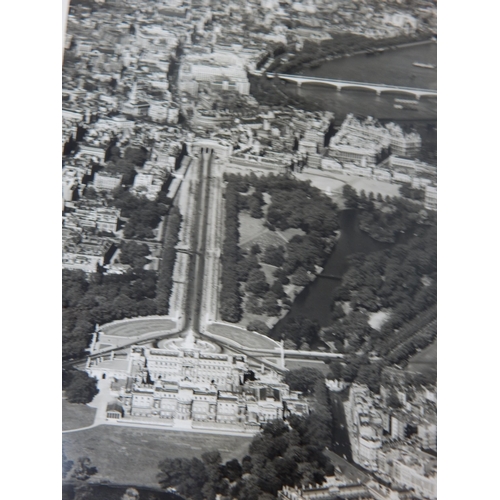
column 75, row 415
column 138, row 327
column 270, row 321
column 289, row 233
column 377, row 319
column 268, row 271
column 424, row 361
column 249, row 227
column 130, row 455
column 253, row 231
column 243, row 337
column 318, row 365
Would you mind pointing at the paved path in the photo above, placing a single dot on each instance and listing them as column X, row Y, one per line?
column 100, row 402
column 349, row 470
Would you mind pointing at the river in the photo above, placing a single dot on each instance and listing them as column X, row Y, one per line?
column 393, row 67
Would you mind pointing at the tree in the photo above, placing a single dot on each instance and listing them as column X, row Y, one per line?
column 277, row 289
column 338, row 311
column 230, row 309
column 303, row 379
column 255, row 208
column 258, row 326
column 82, row 388
column 270, row 304
column 300, row 277
column 187, row 476
column 370, row 376
column 233, row 470
column 90, row 193
column 83, row 469
column 66, row 464
column 302, row 329
column 350, row 196
column 134, row 253
column 255, row 249
column 137, row 156
column 281, row 275
column 335, row 371
column 393, row 400
column 253, row 305
column 257, row 283
column 274, row 255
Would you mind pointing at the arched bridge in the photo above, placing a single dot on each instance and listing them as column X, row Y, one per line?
column 344, row 84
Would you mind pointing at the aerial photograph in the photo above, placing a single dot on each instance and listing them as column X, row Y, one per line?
column 249, row 250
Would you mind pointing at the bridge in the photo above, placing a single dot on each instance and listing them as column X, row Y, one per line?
column 344, row 84
column 330, row 276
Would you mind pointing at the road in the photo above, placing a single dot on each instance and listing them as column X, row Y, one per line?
column 199, row 239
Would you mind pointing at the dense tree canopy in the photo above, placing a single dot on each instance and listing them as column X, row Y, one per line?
column 134, row 253
column 316, row 218
column 280, row 455
column 231, row 297
column 98, row 298
column 81, row 388
column 274, row 255
column 165, row 278
column 142, row 215
column 303, row 379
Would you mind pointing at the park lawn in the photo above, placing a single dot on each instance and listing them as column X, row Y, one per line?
column 249, row 227
column 243, row 337
column 425, row 361
column 138, row 327
column 248, row 317
column 289, row 233
column 268, row 270
column 253, row 231
column 76, row 415
column 317, row 365
column 128, row 455
column 377, row 319
column 264, row 240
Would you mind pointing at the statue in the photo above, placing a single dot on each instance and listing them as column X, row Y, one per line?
column 189, row 340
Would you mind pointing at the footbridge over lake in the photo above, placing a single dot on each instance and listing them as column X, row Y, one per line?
column 344, row 84
column 330, row 276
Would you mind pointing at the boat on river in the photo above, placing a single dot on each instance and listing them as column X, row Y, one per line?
column 424, row 65
column 405, row 104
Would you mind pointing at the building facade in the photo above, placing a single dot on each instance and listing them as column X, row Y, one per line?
column 193, row 384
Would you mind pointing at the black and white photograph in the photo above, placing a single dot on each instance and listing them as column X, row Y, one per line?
column 249, row 250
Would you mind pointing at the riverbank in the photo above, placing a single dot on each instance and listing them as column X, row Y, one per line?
column 340, row 46
column 319, row 62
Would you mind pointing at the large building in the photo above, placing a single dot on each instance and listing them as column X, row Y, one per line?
column 106, row 181
column 223, row 77
column 368, row 141
column 431, row 197
column 394, row 443
column 191, row 383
